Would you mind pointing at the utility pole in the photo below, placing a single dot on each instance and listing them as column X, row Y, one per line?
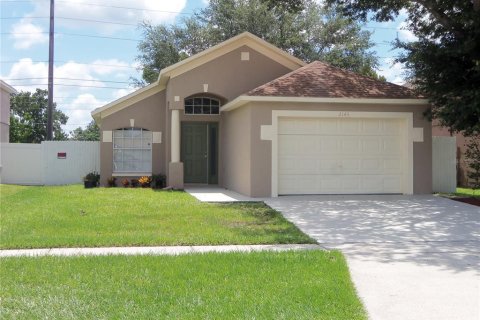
column 50, row 72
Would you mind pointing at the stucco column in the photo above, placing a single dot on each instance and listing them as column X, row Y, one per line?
column 175, row 136
column 175, row 167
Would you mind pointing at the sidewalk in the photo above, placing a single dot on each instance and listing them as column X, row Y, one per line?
column 165, row 250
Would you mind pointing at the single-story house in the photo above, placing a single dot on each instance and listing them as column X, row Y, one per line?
column 252, row 118
column 5, row 91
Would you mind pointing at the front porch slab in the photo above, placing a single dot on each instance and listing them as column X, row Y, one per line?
column 207, row 193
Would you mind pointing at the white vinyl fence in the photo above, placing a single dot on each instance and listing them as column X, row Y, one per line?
column 444, row 164
column 48, row 163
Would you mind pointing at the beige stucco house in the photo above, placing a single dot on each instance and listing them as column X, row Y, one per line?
column 5, row 91
column 250, row 117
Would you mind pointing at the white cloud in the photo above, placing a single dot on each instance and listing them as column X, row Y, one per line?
column 105, row 67
column 122, row 93
column 393, row 71
column 25, row 69
column 25, row 34
column 78, row 111
column 404, row 34
column 149, row 10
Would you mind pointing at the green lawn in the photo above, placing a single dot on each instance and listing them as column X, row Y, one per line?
column 262, row 285
column 467, row 192
column 71, row 216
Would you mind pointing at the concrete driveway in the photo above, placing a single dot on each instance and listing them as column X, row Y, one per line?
column 410, row 257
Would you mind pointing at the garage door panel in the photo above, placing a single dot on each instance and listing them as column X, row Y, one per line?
column 349, row 126
column 393, row 165
column 372, row 145
column 350, row 145
column 371, row 165
column 328, row 146
column 355, row 156
column 391, row 146
column 350, row 165
column 309, row 165
column 333, row 184
column 372, row 127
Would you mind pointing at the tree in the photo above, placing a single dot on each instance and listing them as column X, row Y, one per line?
column 286, row 5
column 90, row 133
column 444, row 63
column 303, row 28
column 28, row 118
column 472, row 155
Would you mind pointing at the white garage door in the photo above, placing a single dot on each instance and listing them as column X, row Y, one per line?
column 340, row 156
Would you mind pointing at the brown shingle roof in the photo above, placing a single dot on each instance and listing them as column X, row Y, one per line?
column 319, row 79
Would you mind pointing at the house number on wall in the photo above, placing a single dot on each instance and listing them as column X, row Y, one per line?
column 343, row 114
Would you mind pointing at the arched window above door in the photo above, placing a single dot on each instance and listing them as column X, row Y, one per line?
column 202, row 106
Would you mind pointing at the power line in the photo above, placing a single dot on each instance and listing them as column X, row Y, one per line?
column 82, row 63
column 68, row 85
column 75, row 19
column 117, row 38
column 71, row 34
column 122, row 7
column 105, row 6
column 99, row 21
column 93, row 36
column 13, row 17
column 136, row 24
column 74, row 79
column 6, row 33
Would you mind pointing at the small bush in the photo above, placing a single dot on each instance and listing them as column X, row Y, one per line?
column 134, row 183
column 145, row 181
column 93, row 178
column 158, row 181
column 125, row 183
column 112, row 182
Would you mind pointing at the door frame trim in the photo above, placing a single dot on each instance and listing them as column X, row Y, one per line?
column 407, row 118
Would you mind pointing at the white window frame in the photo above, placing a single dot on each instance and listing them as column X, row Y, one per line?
column 202, row 106
column 141, row 149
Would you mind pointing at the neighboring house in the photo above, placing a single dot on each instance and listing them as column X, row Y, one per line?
column 251, row 118
column 462, row 165
column 5, row 91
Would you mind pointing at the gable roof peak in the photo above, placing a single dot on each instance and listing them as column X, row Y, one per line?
column 244, row 38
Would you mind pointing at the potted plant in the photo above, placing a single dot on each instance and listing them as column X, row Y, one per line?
column 91, row 180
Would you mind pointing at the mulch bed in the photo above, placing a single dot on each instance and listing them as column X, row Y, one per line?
column 472, row 200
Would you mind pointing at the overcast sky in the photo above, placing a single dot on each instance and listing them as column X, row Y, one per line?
column 95, row 60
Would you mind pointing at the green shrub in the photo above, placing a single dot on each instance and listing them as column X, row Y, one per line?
column 93, row 177
column 158, row 181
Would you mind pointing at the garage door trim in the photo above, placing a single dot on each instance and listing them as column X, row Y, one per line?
column 408, row 139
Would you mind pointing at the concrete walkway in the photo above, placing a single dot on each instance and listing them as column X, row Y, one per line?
column 410, row 257
column 208, row 193
column 165, row 250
